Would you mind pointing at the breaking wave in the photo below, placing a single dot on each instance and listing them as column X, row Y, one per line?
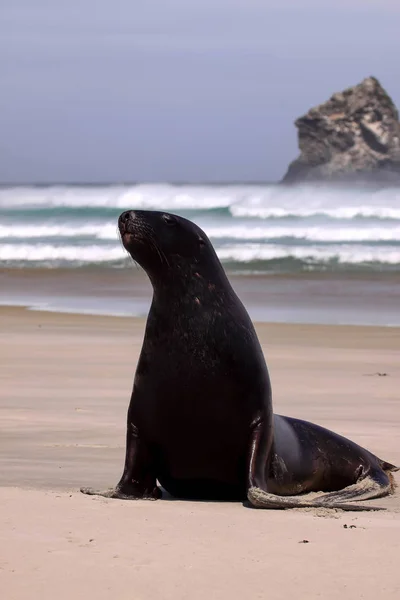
column 277, row 228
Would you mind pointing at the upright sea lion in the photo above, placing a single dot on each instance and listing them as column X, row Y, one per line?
column 200, row 418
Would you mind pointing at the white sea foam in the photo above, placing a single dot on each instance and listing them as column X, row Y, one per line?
column 48, row 252
column 154, row 197
column 261, row 201
column 108, row 231
column 251, row 223
column 241, row 253
column 313, row 234
column 340, row 212
column 343, row 254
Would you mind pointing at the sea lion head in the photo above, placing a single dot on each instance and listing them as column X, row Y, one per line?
column 166, row 246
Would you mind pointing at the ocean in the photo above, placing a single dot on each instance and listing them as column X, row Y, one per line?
column 254, row 228
column 294, row 255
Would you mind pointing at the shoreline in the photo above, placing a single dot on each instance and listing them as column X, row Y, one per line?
column 12, row 311
column 327, row 298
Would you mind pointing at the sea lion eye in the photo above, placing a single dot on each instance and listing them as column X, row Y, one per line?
column 201, row 242
column 169, row 220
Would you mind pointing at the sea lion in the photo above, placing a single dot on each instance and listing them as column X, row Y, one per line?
column 200, row 419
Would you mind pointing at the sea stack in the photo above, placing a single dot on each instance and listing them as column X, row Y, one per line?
column 353, row 137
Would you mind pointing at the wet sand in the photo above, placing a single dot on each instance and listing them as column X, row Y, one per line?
column 65, row 383
column 364, row 298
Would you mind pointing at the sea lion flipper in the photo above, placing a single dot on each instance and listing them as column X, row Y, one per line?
column 260, row 447
column 154, row 494
column 138, row 481
column 261, row 499
column 373, row 485
column 92, row 492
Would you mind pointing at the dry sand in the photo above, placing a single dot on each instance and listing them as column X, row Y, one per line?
column 65, row 386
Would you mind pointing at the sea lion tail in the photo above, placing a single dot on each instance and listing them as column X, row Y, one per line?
column 375, row 485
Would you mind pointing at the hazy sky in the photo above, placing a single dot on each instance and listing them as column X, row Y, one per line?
column 177, row 90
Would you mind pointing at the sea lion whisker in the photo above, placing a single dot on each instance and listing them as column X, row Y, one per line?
column 156, row 248
column 160, row 253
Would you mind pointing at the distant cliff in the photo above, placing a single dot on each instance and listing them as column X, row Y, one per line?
column 354, row 136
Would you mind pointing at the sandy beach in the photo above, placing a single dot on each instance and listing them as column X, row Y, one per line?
column 65, row 387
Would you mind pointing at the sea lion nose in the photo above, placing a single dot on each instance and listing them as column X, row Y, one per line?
column 124, row 219
column 126, row 216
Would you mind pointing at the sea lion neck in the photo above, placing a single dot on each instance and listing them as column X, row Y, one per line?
column 196, row 284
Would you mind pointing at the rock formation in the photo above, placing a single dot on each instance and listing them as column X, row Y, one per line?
column 355, row 136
